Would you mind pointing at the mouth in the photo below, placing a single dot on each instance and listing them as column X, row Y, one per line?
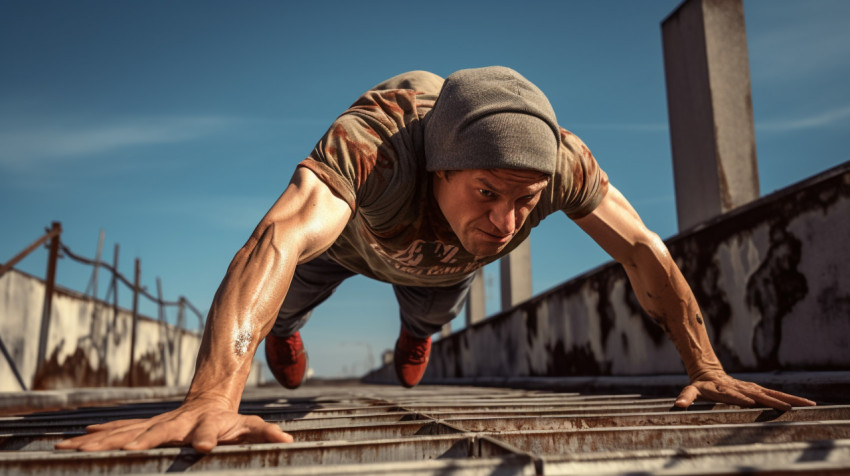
column 492, row 238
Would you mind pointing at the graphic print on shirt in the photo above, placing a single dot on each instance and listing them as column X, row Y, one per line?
column 427, row 258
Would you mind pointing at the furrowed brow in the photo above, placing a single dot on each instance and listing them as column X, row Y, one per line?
column 488, row 185
column 534, row 188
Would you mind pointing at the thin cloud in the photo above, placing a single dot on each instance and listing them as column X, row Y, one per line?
column 28, row 147
column 825, row 119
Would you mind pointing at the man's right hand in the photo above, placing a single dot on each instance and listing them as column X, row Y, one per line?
column 303, row 223
column 202, row 424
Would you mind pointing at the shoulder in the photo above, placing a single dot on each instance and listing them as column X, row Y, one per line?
column 581, row 183
column 571, row 145
column 375, row 146
column 398, row 101
column 578, row 184
column 421, row 81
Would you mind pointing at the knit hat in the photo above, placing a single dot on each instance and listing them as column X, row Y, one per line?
column 491, row 118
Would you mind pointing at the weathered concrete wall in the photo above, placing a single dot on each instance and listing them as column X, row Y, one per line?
column 87, row 347
column 772, row 278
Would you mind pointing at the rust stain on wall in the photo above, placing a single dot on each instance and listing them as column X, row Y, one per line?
column 603, row 285
column 73, row 371
column 578, row 360
column 148, row 369
column 774, row 289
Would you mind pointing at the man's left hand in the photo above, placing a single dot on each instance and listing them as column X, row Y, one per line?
column 720, row 387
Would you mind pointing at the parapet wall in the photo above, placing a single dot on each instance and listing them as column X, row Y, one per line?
column 87, row 345
column 772, row 278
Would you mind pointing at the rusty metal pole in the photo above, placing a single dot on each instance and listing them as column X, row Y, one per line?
column 115, row 294
column 29, row 249
column 163, row 332
column 181, row 309
column 136, row 289
column 111, row 334
column 96, row 267
column 50, row 282
column 95, row 309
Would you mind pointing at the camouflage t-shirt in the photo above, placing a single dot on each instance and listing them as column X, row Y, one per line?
column 373, row 157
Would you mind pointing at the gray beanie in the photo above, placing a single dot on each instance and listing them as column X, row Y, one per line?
column 491, row 118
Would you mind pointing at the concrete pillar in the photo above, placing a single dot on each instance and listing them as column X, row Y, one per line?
column 515, row 274
column 710, row 109
column 476, row 300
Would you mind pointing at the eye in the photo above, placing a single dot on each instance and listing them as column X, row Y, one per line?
column 528, row 198
column 486, row 193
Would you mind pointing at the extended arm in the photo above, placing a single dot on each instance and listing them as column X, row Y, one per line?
column 303, row 223
column 665, row 295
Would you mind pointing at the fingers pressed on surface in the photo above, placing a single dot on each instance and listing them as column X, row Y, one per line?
column 111, row 425
column 92, row 441
column 275, row 434
column 204, row 437
column 112, row 441
column 72, row 443
column 769, row 399
column 687, row 396
column 792, row 399
column 729, row 395
column 771, row 402
column 252, row 429
column 264, row 432
column 157, row 435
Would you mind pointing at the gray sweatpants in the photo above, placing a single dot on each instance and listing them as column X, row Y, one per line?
column 423, row 310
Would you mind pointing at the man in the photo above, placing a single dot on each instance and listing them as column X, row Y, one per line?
column 418, row 184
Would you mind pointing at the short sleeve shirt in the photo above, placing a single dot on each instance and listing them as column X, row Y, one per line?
column 373, row 157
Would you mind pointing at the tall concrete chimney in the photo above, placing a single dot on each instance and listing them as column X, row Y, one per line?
column 710, row 109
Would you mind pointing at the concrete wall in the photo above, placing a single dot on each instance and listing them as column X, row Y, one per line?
column 772, row 278
column 87, row 351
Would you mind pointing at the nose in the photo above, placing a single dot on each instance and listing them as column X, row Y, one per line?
column 503, row 217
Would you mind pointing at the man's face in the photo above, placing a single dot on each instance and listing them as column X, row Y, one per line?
column 486, row 208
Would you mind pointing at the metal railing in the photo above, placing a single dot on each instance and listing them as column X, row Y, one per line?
column 57, row 249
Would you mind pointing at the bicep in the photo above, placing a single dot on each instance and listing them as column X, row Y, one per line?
column 308, row 213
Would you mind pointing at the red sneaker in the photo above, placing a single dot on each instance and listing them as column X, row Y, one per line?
column 411, row 358
column 287, row 359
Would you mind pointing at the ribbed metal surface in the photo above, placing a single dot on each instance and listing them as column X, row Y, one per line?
column 366, row 429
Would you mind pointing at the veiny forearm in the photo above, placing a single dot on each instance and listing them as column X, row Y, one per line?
column 667, row 298
column 242, row 313
column 665, row 295
column 303, row 223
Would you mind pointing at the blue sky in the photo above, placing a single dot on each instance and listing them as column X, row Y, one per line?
column 174, row 126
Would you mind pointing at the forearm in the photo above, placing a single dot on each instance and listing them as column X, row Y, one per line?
column 667, row 298
column 665, row 295
column 304, row 222
column 242, row 313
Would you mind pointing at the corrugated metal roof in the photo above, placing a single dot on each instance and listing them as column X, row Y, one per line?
column 377, row 429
